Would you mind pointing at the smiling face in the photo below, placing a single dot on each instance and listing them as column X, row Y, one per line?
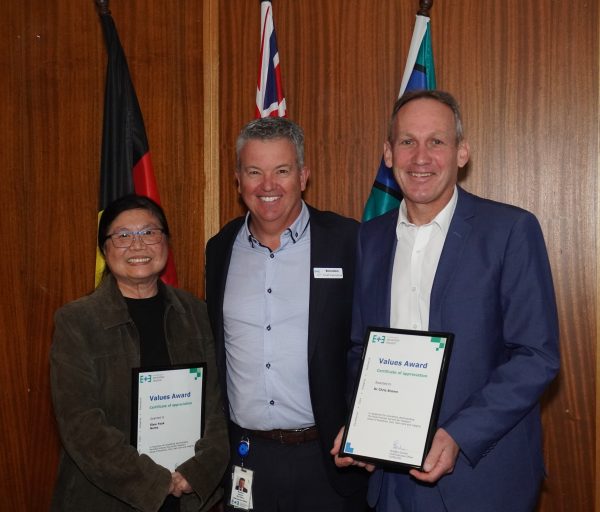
column 137, row 267
column 425, row 157
column 271, row 185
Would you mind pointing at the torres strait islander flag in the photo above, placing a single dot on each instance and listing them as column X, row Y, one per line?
column 125, row 166
column 419, row 73
column 270, row 101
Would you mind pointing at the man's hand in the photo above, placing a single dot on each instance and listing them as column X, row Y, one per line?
column 440, row 460
column 179, row 485
column 343, row 462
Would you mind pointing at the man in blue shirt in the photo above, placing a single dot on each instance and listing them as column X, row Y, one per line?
column 279, row 292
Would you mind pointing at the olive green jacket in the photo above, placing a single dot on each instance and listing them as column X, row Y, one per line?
column 95, row 346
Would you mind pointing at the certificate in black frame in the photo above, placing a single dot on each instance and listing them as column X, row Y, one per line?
column 135, row 375
column 374, row 337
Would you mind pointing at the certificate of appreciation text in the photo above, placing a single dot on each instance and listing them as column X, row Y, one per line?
column 167, row 412
column 396, row 403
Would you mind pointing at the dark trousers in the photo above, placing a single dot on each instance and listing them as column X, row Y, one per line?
column 288, row 478
column 171, row 504
column 407, row 495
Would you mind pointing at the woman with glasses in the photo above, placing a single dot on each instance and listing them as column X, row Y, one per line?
column 131, row 320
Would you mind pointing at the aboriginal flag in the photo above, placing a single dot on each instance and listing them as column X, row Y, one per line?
column 125, row 167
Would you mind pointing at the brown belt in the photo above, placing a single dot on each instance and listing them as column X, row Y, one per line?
column 293, row 436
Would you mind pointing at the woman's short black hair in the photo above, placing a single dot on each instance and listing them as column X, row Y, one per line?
column 123, row 204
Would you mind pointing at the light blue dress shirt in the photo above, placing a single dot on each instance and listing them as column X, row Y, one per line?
column 265, row 314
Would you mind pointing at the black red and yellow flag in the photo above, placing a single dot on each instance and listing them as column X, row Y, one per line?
column 125, row 166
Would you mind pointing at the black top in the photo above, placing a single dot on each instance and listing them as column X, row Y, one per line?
column 148, row 316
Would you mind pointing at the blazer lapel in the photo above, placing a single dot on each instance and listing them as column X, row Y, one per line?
column 388, row 243
column 224, row 248
column 458, row 232
column 316, row 293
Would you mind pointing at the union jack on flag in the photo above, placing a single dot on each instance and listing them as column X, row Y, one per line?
column 270, row 101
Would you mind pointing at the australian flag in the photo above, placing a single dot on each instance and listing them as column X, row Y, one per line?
column 270, row 101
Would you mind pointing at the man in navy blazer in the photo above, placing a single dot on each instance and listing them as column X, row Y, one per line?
column 279, row 287
column 449, row 261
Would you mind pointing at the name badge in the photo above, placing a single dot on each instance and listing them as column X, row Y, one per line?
column 328, row 273
column 241, row 488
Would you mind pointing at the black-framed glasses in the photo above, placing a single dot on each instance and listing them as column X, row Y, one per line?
column 123, row 239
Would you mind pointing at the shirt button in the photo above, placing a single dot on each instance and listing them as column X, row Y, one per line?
column 268, row 365
column 271, row 255
column 414, row 288
column 272, row 402
column 268, row 327
column 268, row 290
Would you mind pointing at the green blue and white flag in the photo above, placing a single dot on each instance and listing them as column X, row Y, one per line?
column 419, row 73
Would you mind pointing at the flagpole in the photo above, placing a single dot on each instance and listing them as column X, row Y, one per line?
column 102, row 6
column 418, row 74
column 424, row 7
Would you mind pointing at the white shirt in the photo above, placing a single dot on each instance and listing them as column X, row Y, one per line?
column 417, row 255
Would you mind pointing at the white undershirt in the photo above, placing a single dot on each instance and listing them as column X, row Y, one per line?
column 415, row 263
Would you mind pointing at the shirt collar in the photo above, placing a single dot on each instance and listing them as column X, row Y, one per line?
column 442, row 220
column 291, row 235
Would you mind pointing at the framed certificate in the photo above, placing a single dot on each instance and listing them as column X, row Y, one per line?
column 396, row 401
column 167, row 412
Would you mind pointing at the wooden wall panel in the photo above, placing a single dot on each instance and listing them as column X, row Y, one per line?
column 61, row 92
column 13, row 362
column 343, row 75
column 239, row 40
column 529, row 88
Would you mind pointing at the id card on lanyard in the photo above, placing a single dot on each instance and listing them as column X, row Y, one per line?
column 242, row 480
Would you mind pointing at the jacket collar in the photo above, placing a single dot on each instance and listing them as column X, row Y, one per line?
column 111, row 305
column 458, row 233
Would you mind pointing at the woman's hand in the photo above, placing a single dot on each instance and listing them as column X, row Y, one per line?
column 179, row 485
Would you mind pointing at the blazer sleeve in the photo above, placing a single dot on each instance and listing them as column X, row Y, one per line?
column 524, row 321
column 357, row 330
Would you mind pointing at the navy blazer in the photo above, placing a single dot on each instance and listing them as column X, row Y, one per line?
column 493, row 289
column 333, row 245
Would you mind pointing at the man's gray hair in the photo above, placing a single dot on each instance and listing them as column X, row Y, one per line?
column 269, row 128
column 442, row 96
